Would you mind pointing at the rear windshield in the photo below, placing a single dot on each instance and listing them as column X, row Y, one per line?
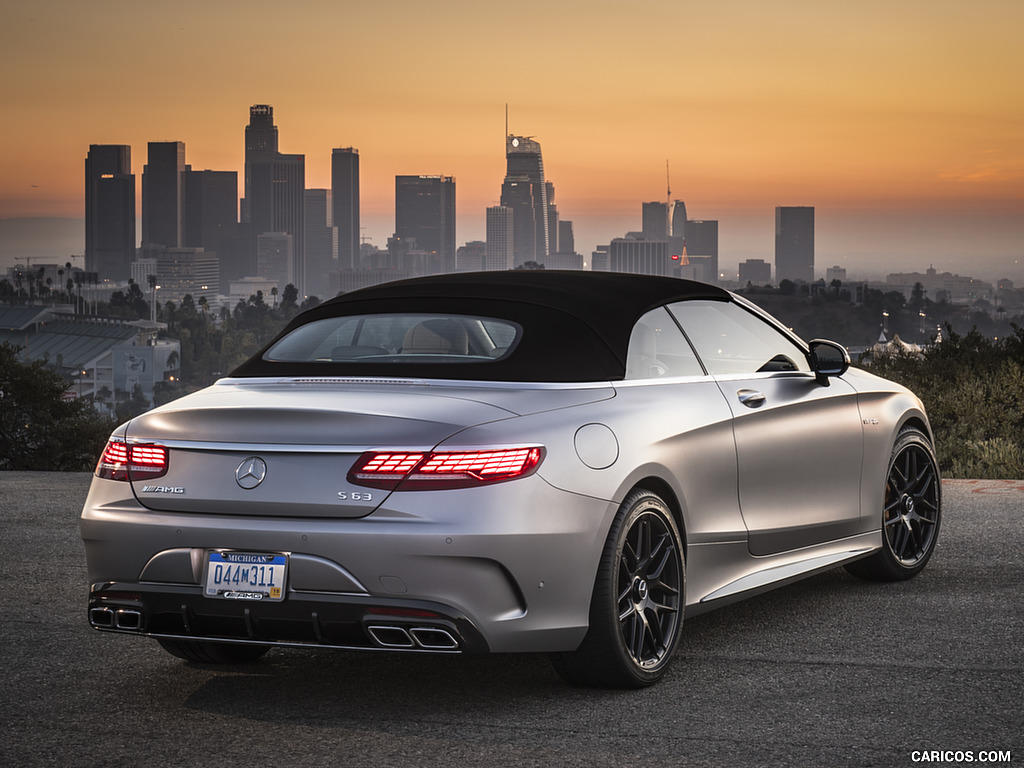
column 398, row 338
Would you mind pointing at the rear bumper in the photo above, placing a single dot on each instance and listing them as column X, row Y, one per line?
column 503, row 569
column 324, row 621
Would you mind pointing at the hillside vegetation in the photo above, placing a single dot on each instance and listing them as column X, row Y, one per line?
column 973, row 390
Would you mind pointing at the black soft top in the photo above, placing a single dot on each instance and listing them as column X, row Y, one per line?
column 576, row 325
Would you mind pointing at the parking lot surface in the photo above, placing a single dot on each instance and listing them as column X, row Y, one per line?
column 832, row 671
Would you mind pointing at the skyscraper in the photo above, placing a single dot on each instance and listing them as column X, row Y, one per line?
column 794, row 243
column 211, row 219
column 425, row 212
column 345, row 190
column 500, row 238
column 525, row 191
column 678, row 219
column 655, row 221
column 320, row 242
column 639, row 256
column 109, row 211
column 260, row 133
column 552, row 219
column 702, row 248
column 163, row 195
column 275, row 186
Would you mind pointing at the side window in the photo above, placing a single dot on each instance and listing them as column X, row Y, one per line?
column 729, row 339
column 658, row 348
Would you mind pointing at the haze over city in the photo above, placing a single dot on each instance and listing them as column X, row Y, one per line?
column 900, row 122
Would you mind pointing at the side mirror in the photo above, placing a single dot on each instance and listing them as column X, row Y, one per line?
column 828, row 359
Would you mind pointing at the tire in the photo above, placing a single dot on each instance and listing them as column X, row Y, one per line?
column 636, row 612
column 911, row 513
column 213, row 653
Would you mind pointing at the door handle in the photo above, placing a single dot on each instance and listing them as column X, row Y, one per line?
column 751, row 398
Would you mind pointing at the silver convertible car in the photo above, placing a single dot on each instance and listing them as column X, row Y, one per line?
column 529, row 461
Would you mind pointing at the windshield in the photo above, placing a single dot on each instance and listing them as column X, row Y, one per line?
column 398, row 338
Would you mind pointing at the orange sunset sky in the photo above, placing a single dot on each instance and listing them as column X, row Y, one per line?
column 901, row 121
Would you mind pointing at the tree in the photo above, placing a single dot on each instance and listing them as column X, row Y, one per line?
column 39, row 428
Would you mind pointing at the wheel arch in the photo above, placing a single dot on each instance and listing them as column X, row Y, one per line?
column 659, row 486
column 917, row 421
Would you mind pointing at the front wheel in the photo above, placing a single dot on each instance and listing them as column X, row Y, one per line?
column 911, row 513
column 636, row 611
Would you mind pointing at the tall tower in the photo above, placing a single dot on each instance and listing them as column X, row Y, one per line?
column 500, row 238
column 525, row 191
column 109, row 211
column 275, row 186
column 163, row 194
column 655, row 221
column 678, row 219
column 319, row 242
column 260, row 133
column 794, row 243
column 425, row 212
column 211, row 219
column 345, row 191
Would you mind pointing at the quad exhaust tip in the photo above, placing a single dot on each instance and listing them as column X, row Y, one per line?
column 427, row 638
column 127, row 619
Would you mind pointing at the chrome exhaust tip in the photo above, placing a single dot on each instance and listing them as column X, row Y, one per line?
column 434, row 638
column 101, row 617
column 390, row 637
column 128, row 618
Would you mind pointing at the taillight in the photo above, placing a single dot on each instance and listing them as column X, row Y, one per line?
column 123, row 461
column 443, row 469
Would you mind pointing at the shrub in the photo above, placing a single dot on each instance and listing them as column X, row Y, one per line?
column 973, row 390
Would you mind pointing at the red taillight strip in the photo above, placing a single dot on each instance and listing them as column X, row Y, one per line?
column 443, row 469
column 482, row 464
column 121, row 461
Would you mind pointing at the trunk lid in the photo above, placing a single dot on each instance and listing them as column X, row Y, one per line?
column 283, row 448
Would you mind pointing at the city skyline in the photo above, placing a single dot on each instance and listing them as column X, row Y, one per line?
column 897, row 121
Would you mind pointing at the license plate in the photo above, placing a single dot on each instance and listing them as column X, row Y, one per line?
column 246, row 575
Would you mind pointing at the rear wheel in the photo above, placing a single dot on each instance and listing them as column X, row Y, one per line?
column 911, row 513
column 213, row 653
column 636, row 612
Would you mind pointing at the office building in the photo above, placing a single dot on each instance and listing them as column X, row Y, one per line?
column 553, row 246
column 211, row 219
column 835, row 273
column 182, row 271
column 425, row 219
column 345, row 193
column 702, row 248
column 794, row 243
column 655, row 221
column 163, row 195
column 471, row 257
column 500, row 238
column 755, row 272
column 109, row 211
column 275, row 258
column 640, row 257
column 524, row 190
column 678, row 219
column 275, row 187
column 320, row 243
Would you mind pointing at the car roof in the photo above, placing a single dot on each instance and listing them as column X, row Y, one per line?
column 596, row 310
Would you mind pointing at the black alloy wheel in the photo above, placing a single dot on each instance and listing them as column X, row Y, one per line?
column 911, row 512
column 636, row 613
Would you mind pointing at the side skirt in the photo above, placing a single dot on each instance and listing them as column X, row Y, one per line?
column 733, row 574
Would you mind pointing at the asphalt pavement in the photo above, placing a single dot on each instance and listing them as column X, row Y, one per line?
column 832, row 671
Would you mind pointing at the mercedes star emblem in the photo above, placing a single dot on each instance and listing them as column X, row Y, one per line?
column 251, row 472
